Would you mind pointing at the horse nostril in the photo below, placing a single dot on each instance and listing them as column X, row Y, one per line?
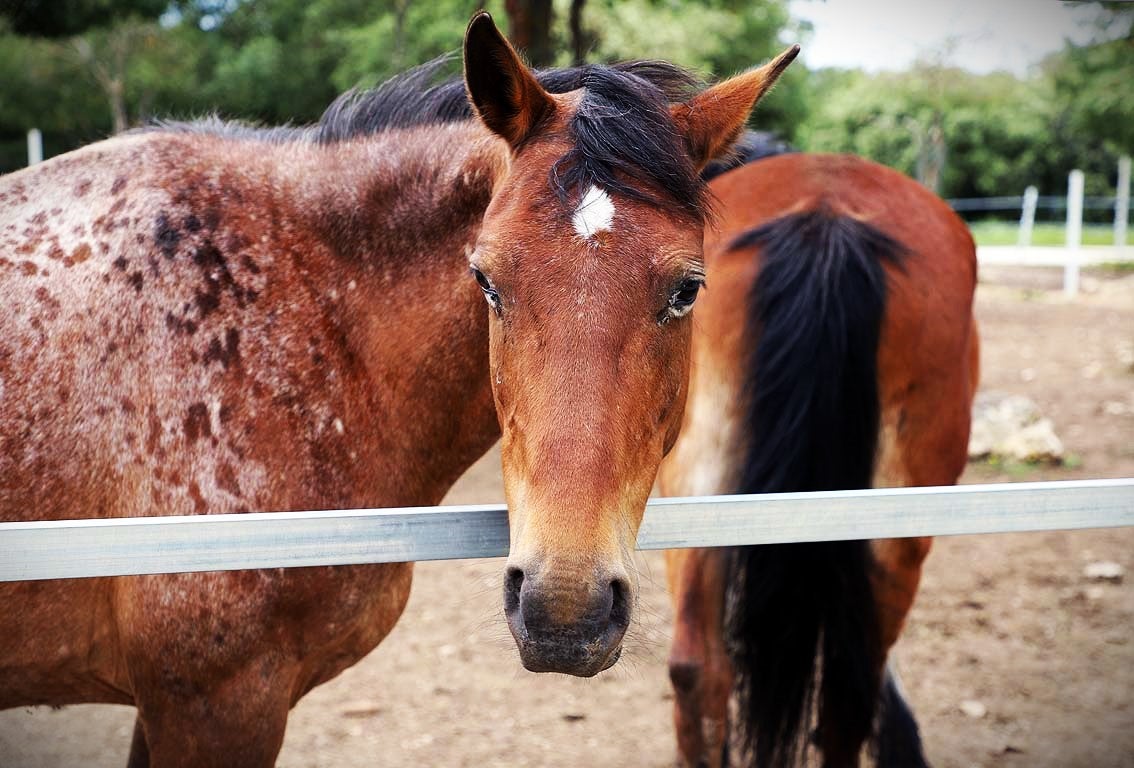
column 513, row 582
column 620, row 603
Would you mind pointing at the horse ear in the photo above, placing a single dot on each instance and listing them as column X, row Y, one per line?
column 504, row 92
column 713, row 120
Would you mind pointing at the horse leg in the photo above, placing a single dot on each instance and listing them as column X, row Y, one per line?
column 898, row 741
column 139, row 750
column 237, row 721
column 687, row 653
column 896, row 575
column 698, row 663
column 895, row 578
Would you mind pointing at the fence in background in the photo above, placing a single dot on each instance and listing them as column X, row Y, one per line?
column 35, row 146
column 130, row 546
column 1072, row 255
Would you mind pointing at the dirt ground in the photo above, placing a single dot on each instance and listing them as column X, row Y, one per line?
column 1009, row 621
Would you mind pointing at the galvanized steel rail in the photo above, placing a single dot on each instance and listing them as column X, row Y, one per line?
column 130, row 546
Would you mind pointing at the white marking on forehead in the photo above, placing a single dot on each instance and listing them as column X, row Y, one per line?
column 594, row 214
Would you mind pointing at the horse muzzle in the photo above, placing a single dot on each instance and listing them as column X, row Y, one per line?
column 564, row 624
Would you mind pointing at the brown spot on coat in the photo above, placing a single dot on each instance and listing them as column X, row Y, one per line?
column 197, row 422
column 180, row 325
column 118, row 185
column 207, row 303
column 226, row 479
column 199, row 505
column 166, row 236
column 81, row 253
column 153, row 437
column 50, row 303
column 226, row 354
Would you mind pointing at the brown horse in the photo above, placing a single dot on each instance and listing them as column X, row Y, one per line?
column 834, row 349
column 210, row 318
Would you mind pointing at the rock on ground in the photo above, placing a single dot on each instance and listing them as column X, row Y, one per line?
column 1011, row 427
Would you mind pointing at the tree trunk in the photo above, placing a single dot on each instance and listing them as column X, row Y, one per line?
column 401, row 11
column 579, row 41
column 115, row 91
column 529, row 26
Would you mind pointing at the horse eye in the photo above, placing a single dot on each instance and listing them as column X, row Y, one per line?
column 681, row 301
column 486, row 287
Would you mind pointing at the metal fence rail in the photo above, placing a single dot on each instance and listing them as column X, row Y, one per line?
column 125, row 546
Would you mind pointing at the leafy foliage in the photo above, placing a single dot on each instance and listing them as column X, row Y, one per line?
column 83, row 68
column 997, row 134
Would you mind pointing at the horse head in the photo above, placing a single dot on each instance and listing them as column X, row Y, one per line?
column 590, row 260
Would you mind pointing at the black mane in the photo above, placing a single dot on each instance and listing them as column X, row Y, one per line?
column 622, row 129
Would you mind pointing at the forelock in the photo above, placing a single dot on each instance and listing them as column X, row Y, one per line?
column 626, row 142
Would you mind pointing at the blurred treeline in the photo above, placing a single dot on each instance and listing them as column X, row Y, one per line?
column 80, row 70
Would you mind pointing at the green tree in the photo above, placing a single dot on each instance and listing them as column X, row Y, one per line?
column 110, row 65
column 1092, row 116
column 51, row 57
column 717, row 38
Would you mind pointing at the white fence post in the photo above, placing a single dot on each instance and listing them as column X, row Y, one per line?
column 1074, row 232
column 35, row 146
column 1027, row 217
column 1122, row 202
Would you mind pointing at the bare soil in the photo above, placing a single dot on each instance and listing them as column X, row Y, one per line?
column 1008, row 621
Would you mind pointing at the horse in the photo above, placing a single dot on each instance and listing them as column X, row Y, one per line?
column 835, row 348
column 207, row 318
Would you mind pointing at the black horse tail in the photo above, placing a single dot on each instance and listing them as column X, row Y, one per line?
column 801, row 623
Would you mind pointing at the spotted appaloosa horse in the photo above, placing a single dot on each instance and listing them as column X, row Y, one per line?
column 207, row 318
column 835, row 348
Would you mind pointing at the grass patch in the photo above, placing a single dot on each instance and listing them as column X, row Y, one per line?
column 1072, row 461
column 1023, row 470
column 1116, row 268
column 1044, row 233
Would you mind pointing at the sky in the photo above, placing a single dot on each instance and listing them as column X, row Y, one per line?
column 979, row 35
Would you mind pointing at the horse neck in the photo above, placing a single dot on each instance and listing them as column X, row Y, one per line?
column 389, row 202
column 400, row 212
